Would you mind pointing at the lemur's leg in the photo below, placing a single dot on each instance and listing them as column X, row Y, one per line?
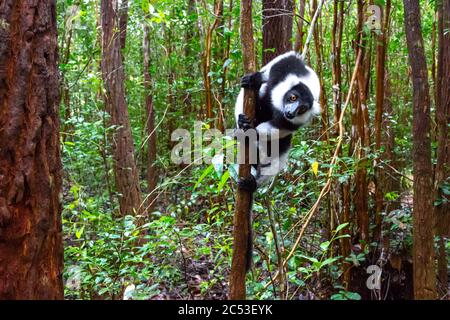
column 249, row 183
column 252, row 81
column 244, row 122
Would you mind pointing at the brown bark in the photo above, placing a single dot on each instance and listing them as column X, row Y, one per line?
column 243, row 198
column 31, row 256
column 382, row 41
column 171, row 95
column 150, row 123
column 319, row 69
column 218, row 11
column 359, row 130
column 424, row 273
column 123, row 23
column 222, row 121
column 65, row 90
column 126, row 177
column 341, row 201
column 277, row 28
column 336, row 46
column 188, row 51
column 442, row 210
column 298, row 47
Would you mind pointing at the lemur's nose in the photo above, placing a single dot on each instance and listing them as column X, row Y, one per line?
column 290, row 115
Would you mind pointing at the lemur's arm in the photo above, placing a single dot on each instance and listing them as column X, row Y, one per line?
column 252, row 81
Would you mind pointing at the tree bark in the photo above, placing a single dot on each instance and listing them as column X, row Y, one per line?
column 424, row 273
column 336, row 45
column 359, row 130
column 123, row 23
column 126, row 177
column 277, row 28
column 218, row 12
column 243, row 198
column 442, row 210
column 298, row 47
column 31, row 254
column 323, row 100
column 65, row 89
column 382, row 41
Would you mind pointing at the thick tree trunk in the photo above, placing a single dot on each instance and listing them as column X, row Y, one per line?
column 126, row 177
column 277, row 28
column 423, row 237
column 150, row 123
column 442, row 211
column 31, row 256
column 242, row 220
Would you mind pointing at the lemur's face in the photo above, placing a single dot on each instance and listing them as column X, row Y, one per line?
column 297, row 102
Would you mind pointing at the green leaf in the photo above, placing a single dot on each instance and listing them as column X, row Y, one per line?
column 329, row 261
column 79, row 232
column 224, row 180
column 203, row 175
column 341, row 226
column 353, row 295
column 342, row 236
column 324, row 245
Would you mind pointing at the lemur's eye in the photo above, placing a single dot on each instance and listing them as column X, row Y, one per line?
column 293, row 97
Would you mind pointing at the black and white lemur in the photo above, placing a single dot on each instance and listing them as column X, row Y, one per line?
column 287, row 98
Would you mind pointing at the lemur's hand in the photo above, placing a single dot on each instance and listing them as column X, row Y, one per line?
column 252, row 81
column 247, row 184
column 244, row 122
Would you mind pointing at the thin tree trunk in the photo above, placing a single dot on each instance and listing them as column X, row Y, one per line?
column 277, row 28
column 241, row 220
column 188, row 51
column 218, row 11
column 382, row 41
column 31, row 252
column 126, row 177
column 336, row 44
column 360, row 135
column 171, row 94
column 442, row 210
column 423, row 236
column 222, row 121
column 65, row 94
column 150, row 123
column 298, row 47
column 319, row 69
column 123, row 23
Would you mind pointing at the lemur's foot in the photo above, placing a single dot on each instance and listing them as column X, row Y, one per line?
column 247, row 184
column 252, row 81
column 244, row 122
